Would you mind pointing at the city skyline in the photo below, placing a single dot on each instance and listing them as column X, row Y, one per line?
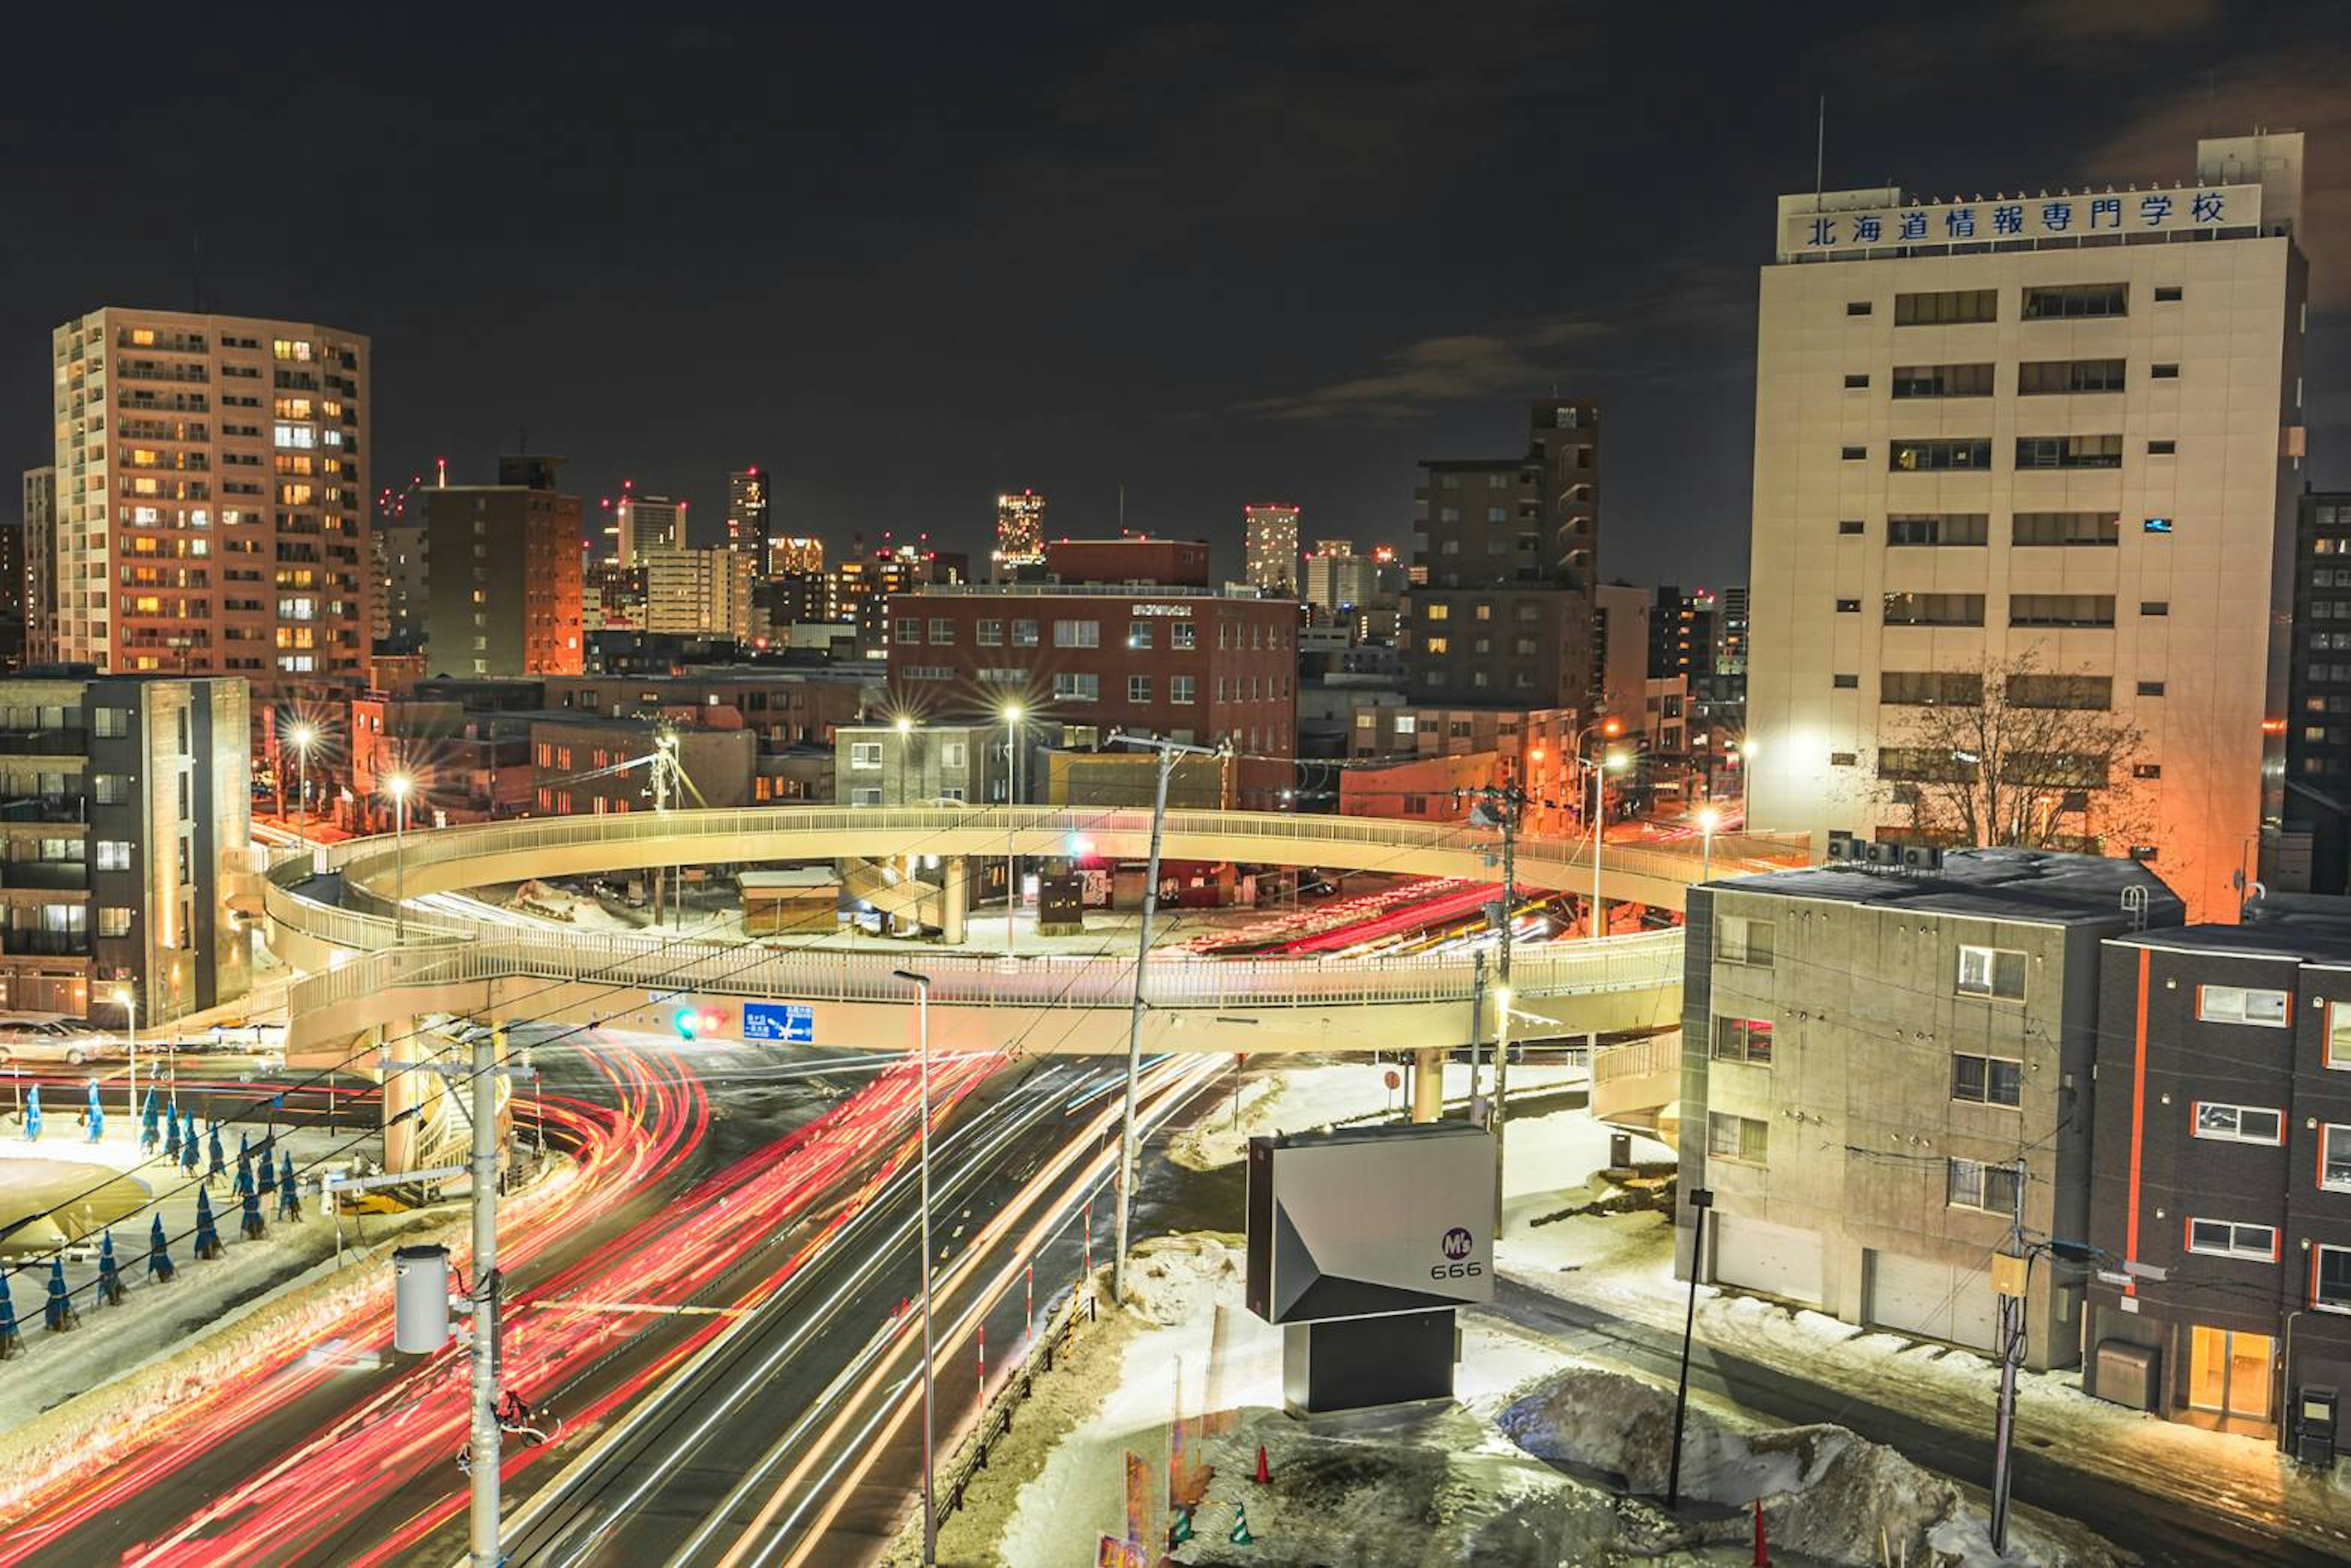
column 1626, row 291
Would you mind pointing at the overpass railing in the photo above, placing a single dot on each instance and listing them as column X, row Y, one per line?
column 1649, row 961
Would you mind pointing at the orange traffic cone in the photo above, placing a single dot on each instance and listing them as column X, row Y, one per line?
column 1264, row 1471
column 1762, row 1547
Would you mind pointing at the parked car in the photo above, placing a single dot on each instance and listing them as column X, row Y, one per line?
column 50, row 1039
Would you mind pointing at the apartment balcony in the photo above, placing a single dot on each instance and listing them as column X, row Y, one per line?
column 43, row 743
column 1638, row 1085
column 45, row 944
column 45, row 876
column 45, row 809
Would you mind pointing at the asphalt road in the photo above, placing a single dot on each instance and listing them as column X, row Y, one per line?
column 2160, row 1530
column 796, row 1440
column 750, row 1107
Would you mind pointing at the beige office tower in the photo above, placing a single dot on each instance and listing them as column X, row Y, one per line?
column 2052, row 440
column 1269, row 558
column 211, row 498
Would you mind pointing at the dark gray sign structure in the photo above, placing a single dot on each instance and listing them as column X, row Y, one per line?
column 1362, row 1244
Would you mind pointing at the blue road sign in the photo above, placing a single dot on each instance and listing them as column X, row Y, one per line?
column 793, row 1023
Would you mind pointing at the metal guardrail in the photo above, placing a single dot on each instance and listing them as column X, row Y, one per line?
column 1078, row 1309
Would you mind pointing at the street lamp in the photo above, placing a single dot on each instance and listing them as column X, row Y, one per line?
column 922, row 984
column 1013, row 714
column 1709, row 819
column 130, row 1002
column 1614, row 762
column 1746, row 766
column 397, row 786
column 302, row 735
column 1700, row 1201
column 905, row 745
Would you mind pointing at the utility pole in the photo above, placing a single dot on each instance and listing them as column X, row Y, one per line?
column 488, row 1046
column 1500, row 806
column 1476, row 1021
column 2012, row 1271
column 664, row 759
column 1169, row 750
column 922, row 984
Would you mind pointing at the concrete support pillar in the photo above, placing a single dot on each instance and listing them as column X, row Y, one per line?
column 955, row 899
column 1428, row 1083
column 402, row 1091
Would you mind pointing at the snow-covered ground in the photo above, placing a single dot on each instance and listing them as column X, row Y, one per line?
column 1516, row 1471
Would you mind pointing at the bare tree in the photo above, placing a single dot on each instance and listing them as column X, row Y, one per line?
column 2003, row 752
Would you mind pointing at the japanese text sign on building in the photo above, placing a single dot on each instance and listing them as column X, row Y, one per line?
column 2018, row 219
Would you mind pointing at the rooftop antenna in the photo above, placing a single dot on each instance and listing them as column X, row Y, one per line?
column 1821, row 153
column 1121, row 509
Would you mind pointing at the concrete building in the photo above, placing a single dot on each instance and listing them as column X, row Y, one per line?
column 465, row 764
column 634, row 523
column 746, row 518
column 1506, row 555
column 1019, row 533
column 403, row 589
column 2223, row 1159
column 1622, row 641
column 1425, row 791
column 125, row 807
column 1334, row 580
column 2065, row 429
column 793, row 555
column 1269, row 532
column 573, row 755
column 1868, row 1059
column 885, row 765
column 699, row 591
column 40, row 582
column 2313, row 854
column 1198, row 664
column 212, row 508
column 503, row 566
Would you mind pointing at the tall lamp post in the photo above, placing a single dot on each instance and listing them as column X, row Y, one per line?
column 1709, row 819
column 1013, row 714
column 1746, row 766
column 905, row 745
column 302, row 735
column 397, row 786
column 922, row 984
column 130, row 1000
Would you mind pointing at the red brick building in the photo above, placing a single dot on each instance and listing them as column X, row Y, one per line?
column 1190, row 662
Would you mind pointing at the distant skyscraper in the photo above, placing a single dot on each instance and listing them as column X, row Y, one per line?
column 40, row 585
column 746, row 513
column 1019, row 531
column 636, row 523
column 1272, row 554
column 186, row 443
column 1336, row 577
column 789, row 554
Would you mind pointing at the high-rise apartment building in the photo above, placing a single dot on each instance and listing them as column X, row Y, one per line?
column 2051, row 442
column 698, row 592
column 789, row 554
column 403, row 587
column 636, row 523
column 746, row 514
column 212, row 498
column 1506, row 554
column 1020, row 532
column 39, row 587
column 503, row 567
column 1269, row 530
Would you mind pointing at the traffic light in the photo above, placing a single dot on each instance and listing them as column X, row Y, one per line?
column 687, row 1022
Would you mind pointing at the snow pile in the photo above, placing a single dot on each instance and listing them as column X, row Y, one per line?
column 1826, row 1492
column 1178, row 1278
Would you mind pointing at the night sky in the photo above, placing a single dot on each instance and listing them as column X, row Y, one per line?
column 904, row 259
